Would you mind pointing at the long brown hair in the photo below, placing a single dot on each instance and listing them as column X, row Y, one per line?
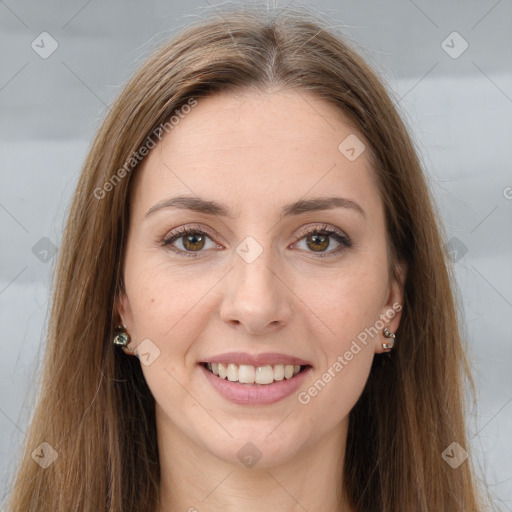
column 95, row 408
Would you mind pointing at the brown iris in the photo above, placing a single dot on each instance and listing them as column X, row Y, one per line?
column 320, row 242
column 193, row 242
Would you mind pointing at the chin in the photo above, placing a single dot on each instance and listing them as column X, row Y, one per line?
column 252, row 447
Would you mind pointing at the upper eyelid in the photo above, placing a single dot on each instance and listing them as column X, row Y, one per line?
column 182, row 230
column 332, row 230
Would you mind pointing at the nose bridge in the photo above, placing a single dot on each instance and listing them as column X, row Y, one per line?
column 256, row 298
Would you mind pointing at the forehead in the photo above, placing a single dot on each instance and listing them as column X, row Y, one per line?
column 257, row 148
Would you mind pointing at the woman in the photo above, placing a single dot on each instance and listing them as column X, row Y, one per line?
column 252, row 223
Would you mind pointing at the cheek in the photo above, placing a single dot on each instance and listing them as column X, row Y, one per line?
column 346, row 307
column 345, row 302
column 167, row 302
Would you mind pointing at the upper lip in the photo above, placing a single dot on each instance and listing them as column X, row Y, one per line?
column 269, row 358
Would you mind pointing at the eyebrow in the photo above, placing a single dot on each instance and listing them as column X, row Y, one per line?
column 199, row 205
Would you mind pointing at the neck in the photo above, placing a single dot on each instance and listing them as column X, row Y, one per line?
column 195, row 480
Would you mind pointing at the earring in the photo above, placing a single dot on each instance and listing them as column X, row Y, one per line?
column 122, row 339
column 391, row 336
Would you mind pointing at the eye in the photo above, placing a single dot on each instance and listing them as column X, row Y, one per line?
column 318, row 239
column 190, row 240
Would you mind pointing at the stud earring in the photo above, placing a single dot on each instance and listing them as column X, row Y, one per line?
column 391, row 336
column 122, row 339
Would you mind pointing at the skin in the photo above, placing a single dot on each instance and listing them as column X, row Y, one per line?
column 255, row 152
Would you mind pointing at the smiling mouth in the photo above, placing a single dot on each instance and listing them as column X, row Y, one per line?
column 248, row 374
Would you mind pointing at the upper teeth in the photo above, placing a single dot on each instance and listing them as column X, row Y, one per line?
column 248, row 374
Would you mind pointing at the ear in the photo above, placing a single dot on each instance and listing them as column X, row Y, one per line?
column 391, row 312
column 124, row 312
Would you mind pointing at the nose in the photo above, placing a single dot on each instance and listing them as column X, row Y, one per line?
column 257, row 297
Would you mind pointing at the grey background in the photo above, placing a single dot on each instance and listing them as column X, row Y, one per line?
column 459, row 110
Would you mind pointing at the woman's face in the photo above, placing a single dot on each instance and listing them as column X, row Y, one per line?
column 250, row 284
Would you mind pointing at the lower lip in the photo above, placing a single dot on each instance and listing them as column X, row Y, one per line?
column 255, row 394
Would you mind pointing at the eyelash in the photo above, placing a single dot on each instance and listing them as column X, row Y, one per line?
column 323, row 230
